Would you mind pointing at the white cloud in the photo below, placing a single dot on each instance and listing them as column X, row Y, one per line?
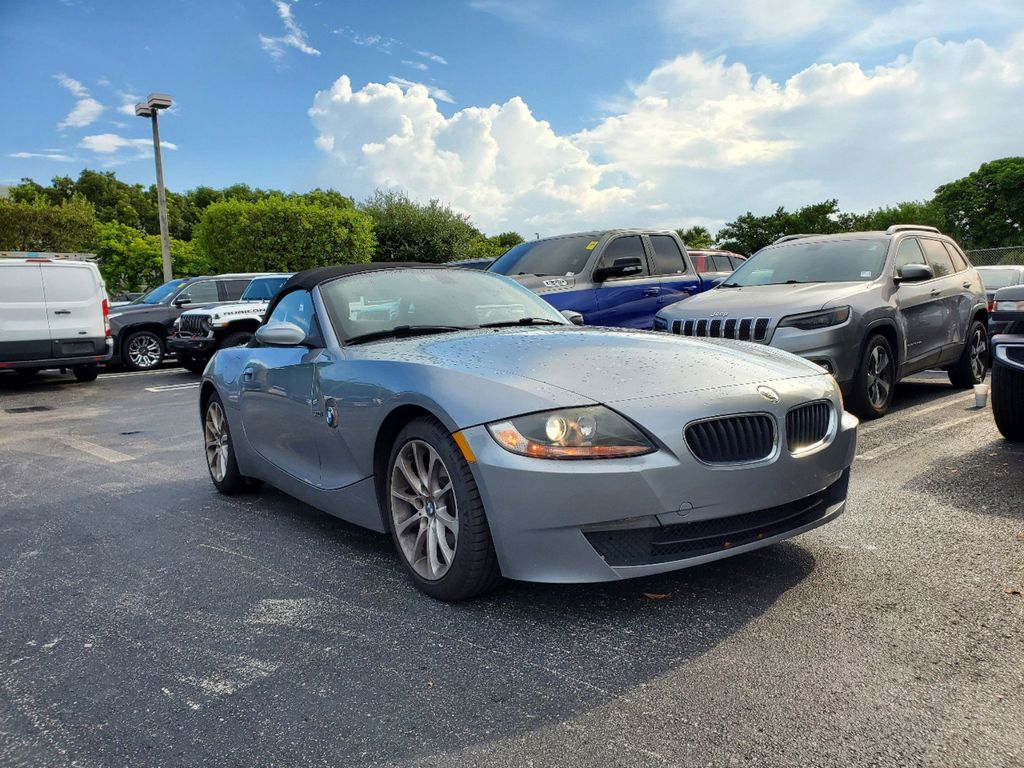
column 294, row 37
column 699, row 140
column 128, row 102
column 418, row 65
column 45, row 155
column 434, row 57
column 86, row 108
column 111, row 144
column 748, row 21
column 435, row 92
column 919, row 19
column 379, row 42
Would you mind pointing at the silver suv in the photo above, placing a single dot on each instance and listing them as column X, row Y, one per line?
column 869, row 307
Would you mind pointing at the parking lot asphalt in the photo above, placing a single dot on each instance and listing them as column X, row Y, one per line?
column 147, row 621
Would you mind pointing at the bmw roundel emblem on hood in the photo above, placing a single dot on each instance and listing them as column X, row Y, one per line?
column 768, row 394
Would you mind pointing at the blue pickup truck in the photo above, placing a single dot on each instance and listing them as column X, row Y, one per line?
column 615, row 277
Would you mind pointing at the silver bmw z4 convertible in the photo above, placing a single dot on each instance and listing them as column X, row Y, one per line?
column 491, row 437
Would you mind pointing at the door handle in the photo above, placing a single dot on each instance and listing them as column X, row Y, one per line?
column 247, row 374
column 935, row 292
column 62, row 312
column 652, row 291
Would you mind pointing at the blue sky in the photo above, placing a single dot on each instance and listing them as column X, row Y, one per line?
column 533, row 115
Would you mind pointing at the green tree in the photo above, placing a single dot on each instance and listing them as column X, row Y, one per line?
column 276, row 234
column 411, row 231
column 493, row 247
column 40, row 226
column 130, row 260
column 749, row 233
column 696, row 237
column 985, row 209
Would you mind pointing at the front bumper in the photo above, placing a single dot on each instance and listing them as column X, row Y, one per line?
column 184, row 343
column 602, row 520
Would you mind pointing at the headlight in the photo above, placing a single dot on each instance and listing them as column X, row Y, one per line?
column 593, row 432
column 810, row 321
column 177, row 323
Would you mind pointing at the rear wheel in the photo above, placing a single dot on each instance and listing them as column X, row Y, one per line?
column 86, row 372
column 1008, row 401
column 220, row 452
column 143, row 351
column 435, row 514
column 875, row 380
column 971, row 367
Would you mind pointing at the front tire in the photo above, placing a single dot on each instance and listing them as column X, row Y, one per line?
column 86, row 373
column 1008, row 401
column 220, row 451
column 192, row 364
column 237, row 339
column 970, row 368
column 435, row 514
column 875, row 380
column 143, row 351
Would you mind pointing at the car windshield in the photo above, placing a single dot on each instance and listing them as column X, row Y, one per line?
column 563, row 256
column 263, row 288
column 993, row 279
column 397, row 302
column 822, row 261
column 162, row 292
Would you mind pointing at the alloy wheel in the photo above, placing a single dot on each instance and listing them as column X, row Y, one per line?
column 879, row 377
column 144, row 351
column 215, row 432
column 979, row 350
column 423, row 510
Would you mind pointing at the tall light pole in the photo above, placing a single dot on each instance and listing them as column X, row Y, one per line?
column 149, row 108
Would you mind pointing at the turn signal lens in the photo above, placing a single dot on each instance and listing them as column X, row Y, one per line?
column 594, row 432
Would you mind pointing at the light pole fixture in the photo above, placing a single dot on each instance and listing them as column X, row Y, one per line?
column 149, row 108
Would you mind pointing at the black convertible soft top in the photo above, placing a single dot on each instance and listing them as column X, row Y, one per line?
column 309, row 279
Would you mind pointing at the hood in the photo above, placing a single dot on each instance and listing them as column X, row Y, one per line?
column 761, row 300
column 595, row 363
column 542, row 284
column 226, row 310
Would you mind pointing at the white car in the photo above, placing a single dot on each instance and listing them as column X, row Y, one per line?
column 54, row 313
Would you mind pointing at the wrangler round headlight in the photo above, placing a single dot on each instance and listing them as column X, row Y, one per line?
column 592, row 432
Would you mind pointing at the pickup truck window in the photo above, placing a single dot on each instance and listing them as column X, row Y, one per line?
column 621, row 247
column 562, row 256
column 667, row 255
column 722, row 263
column 203, row 292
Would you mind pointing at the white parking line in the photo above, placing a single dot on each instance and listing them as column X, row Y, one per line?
column 173, row 387
column 100, row 452
column 913, row 413
column 137, row 373
column 888, row 449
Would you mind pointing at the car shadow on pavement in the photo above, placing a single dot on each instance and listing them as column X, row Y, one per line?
column 988, row 480
column 258, row 627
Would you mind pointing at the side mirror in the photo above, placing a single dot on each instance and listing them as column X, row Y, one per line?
column 573, row 317
column 281, row 335
column 181, row 301
column 915, row 273
column 621, row 267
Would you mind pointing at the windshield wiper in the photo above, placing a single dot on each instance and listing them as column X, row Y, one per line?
column 403, row 331
column 730, row 285
column 521, row 321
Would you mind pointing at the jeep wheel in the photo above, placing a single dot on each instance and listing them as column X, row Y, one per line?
column 85, row 373
column 875, row 380
column 143, row 351
column 971, row 367
column 192, row 364
column 237, row 339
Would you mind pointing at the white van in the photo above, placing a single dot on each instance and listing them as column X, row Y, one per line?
column 53, row 314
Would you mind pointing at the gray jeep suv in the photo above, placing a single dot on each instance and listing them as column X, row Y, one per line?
column 869, row 307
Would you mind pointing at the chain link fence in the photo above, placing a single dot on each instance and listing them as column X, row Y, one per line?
column 989, row 257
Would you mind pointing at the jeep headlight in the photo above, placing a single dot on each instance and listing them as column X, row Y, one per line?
column 592, row 432
column 812, row 321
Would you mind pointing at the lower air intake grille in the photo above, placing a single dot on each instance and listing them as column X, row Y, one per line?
column 732, row 439
column 807, row 424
